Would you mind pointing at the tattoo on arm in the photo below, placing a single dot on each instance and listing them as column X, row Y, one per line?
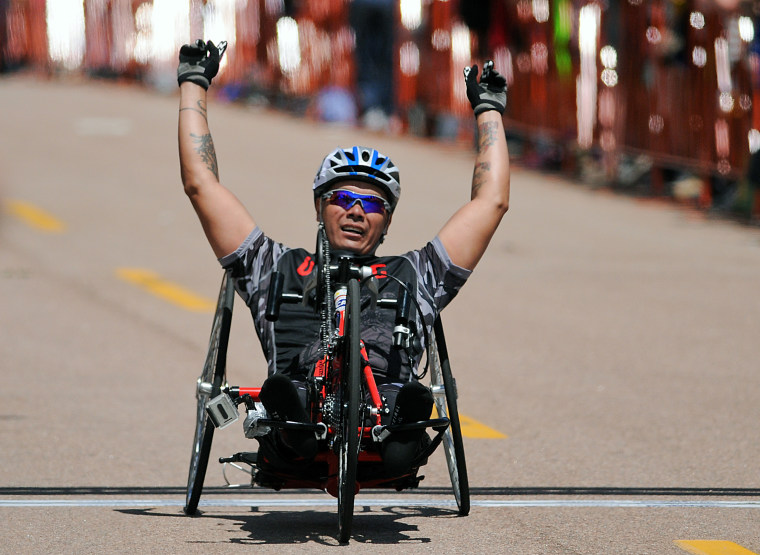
column 201, row 109
column 205, row 149
column 488, row 135
column 480, row 176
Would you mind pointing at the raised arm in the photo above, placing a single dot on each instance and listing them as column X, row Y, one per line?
column 225, row 220
column 467, row 234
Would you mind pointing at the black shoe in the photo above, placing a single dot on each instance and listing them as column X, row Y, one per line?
column 280, row 398
column 304, row 444
column 414, row 402
column 398, row 451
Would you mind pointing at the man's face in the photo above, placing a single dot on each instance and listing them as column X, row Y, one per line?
column 353, row 230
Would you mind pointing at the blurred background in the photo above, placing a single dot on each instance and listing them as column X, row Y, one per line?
column 649, row 97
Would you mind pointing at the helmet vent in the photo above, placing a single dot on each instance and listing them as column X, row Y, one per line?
column 370, row 172
column 365, row 156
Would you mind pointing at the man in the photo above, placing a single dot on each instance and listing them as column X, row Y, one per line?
column 355, row 192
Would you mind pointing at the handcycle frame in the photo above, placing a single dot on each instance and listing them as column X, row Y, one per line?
column 347, row 399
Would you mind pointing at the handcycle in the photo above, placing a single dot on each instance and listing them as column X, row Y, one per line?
column 345, row 405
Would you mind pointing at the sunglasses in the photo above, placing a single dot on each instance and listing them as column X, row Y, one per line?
column 371, row 204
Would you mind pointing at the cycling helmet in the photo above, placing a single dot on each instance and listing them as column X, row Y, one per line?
column 360, row 163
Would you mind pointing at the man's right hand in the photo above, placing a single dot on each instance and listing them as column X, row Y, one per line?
column 199, row 62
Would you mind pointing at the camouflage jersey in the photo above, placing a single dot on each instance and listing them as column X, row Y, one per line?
column 292, row 343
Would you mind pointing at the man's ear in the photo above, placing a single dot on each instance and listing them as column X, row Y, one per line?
column 318, row 208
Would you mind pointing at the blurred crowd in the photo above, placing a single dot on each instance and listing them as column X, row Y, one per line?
column 654, row 97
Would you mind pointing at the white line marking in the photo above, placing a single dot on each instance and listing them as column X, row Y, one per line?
column 397, row 502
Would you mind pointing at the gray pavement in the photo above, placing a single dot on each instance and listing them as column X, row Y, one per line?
column 612, row 341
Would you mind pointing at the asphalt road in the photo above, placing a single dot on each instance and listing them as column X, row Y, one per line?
column 609, row 346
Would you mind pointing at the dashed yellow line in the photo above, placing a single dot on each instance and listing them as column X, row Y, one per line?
column 34, row 216
column 166, row 290
column 474, row 429
column 713, row 547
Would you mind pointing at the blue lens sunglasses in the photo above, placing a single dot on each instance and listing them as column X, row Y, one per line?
column 371, row 204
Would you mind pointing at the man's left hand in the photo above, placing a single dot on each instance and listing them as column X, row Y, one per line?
column 488, row 94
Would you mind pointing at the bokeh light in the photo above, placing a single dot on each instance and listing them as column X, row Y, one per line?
column 608, row 57
column 753, row 138
column 746, row 29
column 697, row 20
column 589, row 20
column 411, row 13
column 541, row 10
column 288, row 44
column 65, row 32
column 726, row 101
column 699, row 56
column 609, row 77
column 656, row 124
column 409, row 58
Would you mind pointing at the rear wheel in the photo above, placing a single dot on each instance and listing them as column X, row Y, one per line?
column 209, row 384
column 445, row 395
column 350, row 421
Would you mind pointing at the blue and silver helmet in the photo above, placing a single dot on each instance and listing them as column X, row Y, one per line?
column 362, row 164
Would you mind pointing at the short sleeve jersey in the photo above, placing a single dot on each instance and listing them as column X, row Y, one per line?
column 292, row 344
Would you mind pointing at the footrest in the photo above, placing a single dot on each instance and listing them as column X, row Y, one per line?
column 379, row 433
column 319, row 428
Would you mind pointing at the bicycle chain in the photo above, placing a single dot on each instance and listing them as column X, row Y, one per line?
column 326, row 328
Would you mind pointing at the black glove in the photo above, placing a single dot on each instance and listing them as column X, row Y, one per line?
column 199, row 62
column 490, row 93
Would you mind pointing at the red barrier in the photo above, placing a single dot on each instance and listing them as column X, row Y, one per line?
column 670, row 86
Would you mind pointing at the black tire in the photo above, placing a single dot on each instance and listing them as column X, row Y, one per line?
column 213, row 374
column 350, row 420
column 446, row 405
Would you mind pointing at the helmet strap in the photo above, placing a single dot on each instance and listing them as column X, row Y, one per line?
column 320, row 212
column 385, row 232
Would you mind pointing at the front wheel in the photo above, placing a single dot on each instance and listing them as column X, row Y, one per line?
column 350, row 420
column 209, row 383
column 446, row 405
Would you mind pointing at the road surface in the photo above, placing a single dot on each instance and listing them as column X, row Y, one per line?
column 606, row 348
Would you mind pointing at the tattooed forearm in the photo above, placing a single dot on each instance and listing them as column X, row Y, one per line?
column 480, row 176
column 201, row 109
column 205, row 148
column 488, row 133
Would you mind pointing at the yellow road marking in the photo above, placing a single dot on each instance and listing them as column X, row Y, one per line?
column 175, row 294
column 473, row 429
column 34, row 216
column 713, row 547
